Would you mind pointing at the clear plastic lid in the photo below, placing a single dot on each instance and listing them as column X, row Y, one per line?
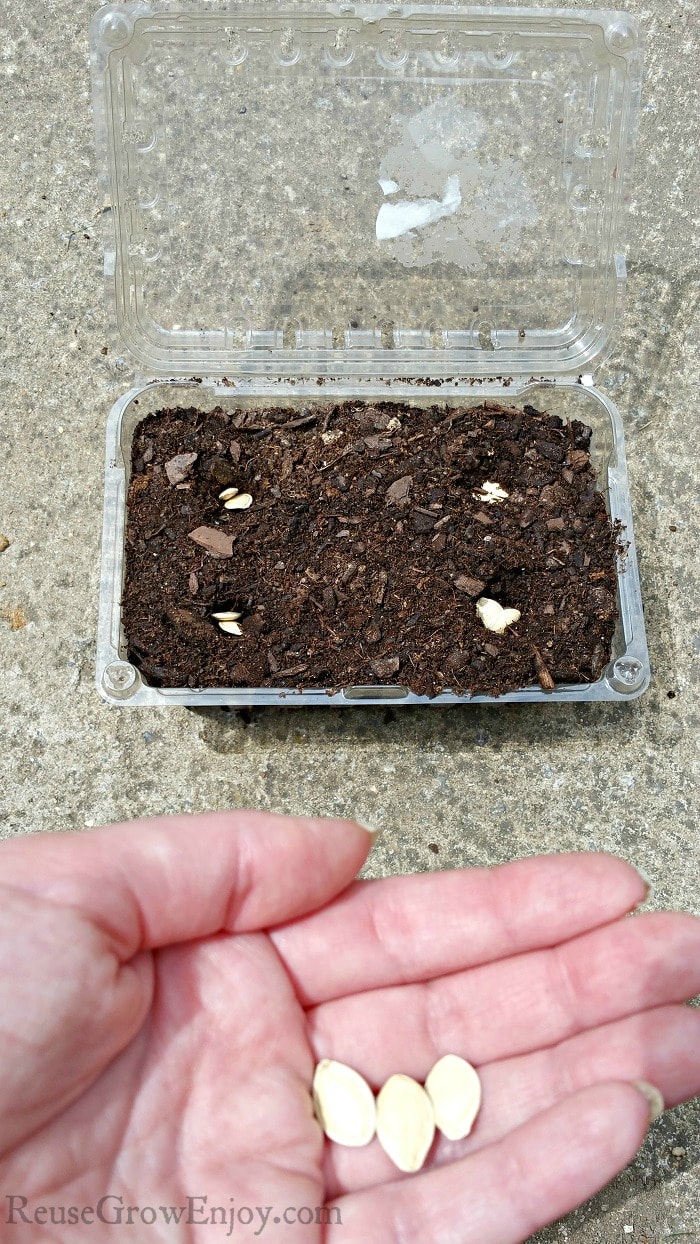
column 374, row 190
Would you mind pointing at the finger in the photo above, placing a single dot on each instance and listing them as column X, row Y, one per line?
column 65, row 1011
column 171, row 879
column 412, row 928
column 509, row 1190
column 515, row 1005
column 659, row 1046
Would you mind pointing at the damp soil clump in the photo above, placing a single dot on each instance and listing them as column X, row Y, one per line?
column 368, row 541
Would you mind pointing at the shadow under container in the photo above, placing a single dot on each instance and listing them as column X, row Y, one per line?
column 373, row 202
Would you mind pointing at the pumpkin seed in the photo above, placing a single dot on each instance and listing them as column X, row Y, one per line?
column 454, row 1089
column 344, row 1103
column 405, row 1122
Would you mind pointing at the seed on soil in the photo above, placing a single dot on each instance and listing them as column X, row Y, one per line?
column 405, row 1122
column 230, row 628
column 493, row 616
column 4, row 543
column 242, row 501
column 490, row 493
column 454, row 1089
column 227, row 617
column 343, row 1103
column 227, row 494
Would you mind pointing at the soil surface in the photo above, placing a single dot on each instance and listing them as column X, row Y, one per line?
column 368, row 542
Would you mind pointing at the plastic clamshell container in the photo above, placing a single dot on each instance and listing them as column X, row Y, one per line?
column 405, row 202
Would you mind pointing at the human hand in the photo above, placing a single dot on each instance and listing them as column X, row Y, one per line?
column 168, row 986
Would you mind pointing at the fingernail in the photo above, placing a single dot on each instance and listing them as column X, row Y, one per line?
column 648, row 892
column 649, row 887
column 654, row 1099
column 373, row 833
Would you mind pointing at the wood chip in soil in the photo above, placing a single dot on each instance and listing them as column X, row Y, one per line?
column 364, row 551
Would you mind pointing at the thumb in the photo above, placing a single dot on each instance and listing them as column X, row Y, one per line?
column 153, row 882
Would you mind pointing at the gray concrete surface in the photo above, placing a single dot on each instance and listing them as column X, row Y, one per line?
column 482, row 785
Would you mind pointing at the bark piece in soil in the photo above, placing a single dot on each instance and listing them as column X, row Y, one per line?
column 218, row 543
column 179, row 467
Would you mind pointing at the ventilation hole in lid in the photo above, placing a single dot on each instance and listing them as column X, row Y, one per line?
column 500, row 55
column 392, row 52
column 486, row 336
column 290, row 329
column 237, row 50
column 593, row 142
column 447, row 50
column 139, row 135
column 341, row 43
column 436, row 336
column 144, row 248
column 237, row 335
column 386, row 328
column 583, row 197
column 288, row 50
column 147, row 195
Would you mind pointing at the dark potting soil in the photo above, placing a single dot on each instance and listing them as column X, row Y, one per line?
column 364, row 551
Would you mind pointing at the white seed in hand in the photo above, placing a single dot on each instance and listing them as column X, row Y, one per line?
column 227, row 494
column 454, row 1089
column 490, row 493
column 405, row 1122
column 230, row 628
column 227, row 617
column 493, row 616
column 344, row 1103
column 241, row 502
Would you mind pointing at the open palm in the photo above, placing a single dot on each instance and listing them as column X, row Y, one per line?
column 168, row 986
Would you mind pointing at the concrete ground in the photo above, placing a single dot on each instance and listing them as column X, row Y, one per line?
column 447, row 787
